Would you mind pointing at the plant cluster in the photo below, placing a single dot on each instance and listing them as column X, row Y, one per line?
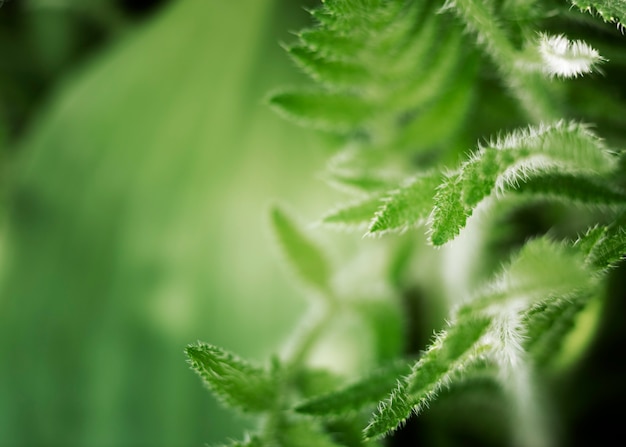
column 400, row 88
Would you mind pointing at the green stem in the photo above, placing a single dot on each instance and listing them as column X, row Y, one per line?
column 311, row 330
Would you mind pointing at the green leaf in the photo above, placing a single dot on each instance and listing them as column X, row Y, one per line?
column 548, row 323
column 610, row 10
column 542, row 268
column 323, row 110
column 355, row 396
column 408, row 206
column 336, row 73
column 449, row 213
column 362, row 182
column 562, row 151
column 304, row 257
column 329, row 43
column 453, row 351
column 234, row 381
column 605, row 246
column 570, row 187
column 354, row 215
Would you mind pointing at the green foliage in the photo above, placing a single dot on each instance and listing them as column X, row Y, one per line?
column 353, row 397
column 234, row 380
column 609, row 10
column 451, row 352
column 403, row 94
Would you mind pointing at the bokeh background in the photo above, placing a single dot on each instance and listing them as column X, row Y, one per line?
column 139, row 161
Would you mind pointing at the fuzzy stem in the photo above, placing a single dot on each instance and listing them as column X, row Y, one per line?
column 530, row 428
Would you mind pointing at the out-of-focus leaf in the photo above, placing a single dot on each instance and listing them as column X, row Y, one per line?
column 331, row 111
column 305, row 258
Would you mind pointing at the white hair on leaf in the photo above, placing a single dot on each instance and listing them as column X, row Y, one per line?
column 566, row 58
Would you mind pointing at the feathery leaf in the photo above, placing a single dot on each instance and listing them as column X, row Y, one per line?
column 565, row 58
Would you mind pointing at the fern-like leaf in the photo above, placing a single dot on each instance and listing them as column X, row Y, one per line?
column 233, row 380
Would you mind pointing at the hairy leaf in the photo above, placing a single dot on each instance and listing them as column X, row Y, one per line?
column 605, row 246
column 305, row 258
column 548, row 322
column 233, row 380
column 355, row 396
column 568, row 59
column 407, row 206
column 579, row 187
column 452, row 352
column 450, row 213
column 569, row 148
column 609, row 10
column 541, row 269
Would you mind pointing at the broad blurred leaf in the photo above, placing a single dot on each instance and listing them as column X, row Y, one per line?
column 302, row 254
column 127, row 199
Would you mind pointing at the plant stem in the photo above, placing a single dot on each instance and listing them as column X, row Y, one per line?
column 314, row 324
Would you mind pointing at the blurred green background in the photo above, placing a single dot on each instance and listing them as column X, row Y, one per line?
column 138, row 164
column 138, row 161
